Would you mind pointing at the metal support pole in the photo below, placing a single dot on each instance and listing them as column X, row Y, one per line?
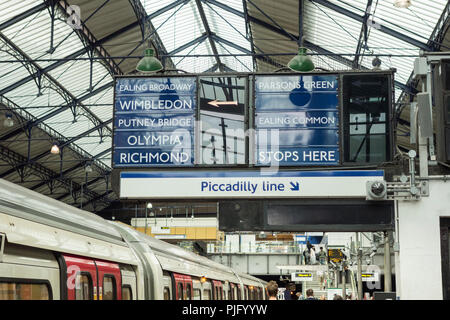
column 336, row 278
column 343, row 280
column 145, row 228
column 359, row 253
column 387, row 264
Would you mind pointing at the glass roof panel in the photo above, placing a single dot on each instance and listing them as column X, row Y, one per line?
column 12, row 8
column 179, row 25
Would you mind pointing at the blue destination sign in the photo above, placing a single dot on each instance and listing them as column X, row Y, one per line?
column 162, row 121
column 302, row 119
column 296, row 120
column 291, row 156
column 154, row 121
column 154, row 139
column 153, row 157
column 140, row 86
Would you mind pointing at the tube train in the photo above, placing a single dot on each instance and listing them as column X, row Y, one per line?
column 51, row 250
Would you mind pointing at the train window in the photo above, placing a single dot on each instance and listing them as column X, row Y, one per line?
column 197, row 294
column 83, row 287
column 166, row 293
column 109, row 288
column 188, row 292
column 180, row 291
column 206, row 294
column 127, row 293
column 24, row 291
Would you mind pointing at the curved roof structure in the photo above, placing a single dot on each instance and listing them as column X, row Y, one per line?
column 58, row 60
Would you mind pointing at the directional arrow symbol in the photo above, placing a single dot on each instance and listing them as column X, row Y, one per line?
column 295, row 186
column 216, row 103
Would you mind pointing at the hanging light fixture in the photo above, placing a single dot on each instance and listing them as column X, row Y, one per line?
column 301, row 62
column 149, row 63
column 8, row 122
column 402, row 3
column 54, row 149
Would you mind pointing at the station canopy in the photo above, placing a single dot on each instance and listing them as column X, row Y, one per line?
column 56, row 70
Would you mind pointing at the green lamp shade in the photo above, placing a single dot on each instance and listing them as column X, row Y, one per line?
column 301, row 62
column 149, row 63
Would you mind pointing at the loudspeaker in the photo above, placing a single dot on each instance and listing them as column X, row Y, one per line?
column 425, row 118
column 241, row 215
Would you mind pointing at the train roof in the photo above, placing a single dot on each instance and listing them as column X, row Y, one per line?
column 30, row 205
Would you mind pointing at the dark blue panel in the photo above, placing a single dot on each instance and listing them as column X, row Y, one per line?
column 165, row 86
column 296, row 83
column 248, row 174
column 298, row 156
column 300, row 119
column 296, row 101
column 152, row 157
column 151, row 139
column 297, row 137
column 168, row 121
column 147, row 104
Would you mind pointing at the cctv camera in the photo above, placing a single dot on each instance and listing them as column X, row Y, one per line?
column 372, row 254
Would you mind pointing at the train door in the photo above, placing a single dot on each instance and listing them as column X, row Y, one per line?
column 207, row 288
column 188, row 291
column 226, row 290
column 183, row 286
column 217, row 290
column 232, row 291
column 80, row 278
column 129, row 287
column 196, row 289
column 109, row 281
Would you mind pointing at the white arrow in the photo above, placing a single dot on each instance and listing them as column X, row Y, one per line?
column 216, row 103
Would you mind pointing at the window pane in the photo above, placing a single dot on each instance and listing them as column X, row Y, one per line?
column 206, row 294
column 197, row 294
column 24, row 291
column 188, row 292
column 222, row 117
column 166, row 293
column 366, row 126
column 109, row 288
column 180, row 291
column 83, row 287
column 126, row 293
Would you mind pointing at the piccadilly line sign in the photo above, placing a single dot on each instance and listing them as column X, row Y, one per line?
column 245, row 184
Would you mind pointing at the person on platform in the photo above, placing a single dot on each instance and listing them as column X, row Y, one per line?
column 310, row 295
column 288, row 292
column 272, row 290
column 313, row 255
column 322, row 256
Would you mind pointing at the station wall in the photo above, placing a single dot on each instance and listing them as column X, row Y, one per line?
column 419, row 260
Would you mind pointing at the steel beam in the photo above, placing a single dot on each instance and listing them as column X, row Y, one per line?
column 63, row 108
column 42, row 171
column 380, row 27
column 363, row 36
column 62, row 145
column 189, row 44
column 209, row 34
column 65, row 172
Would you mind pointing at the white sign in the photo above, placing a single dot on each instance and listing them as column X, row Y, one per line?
column 245, row 184
column 301, row 276
column 170, row 236
column 331, row 292
column 370, row 276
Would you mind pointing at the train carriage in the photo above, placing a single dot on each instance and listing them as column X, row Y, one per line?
column 50, row 250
